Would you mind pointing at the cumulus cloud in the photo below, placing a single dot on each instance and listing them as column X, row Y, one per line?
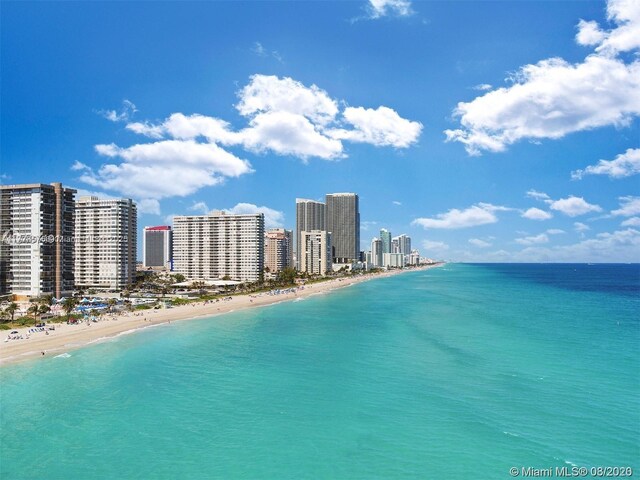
column 479, row 243
column 553, row 98
column 574, row 206
column 283, row 116
column 624, row 165
column 531, row 240
column 626, row 36
column 580, row 228
column 555, row 231
column 589, row 33
column 382, row 8
column 631, row 222
column 148, row 205
column 483, row 87
column 268, row 93
column 538, row 195
column 618, row 246
column 272, row 218
column 123, row 115
column 479, row 214
column 164, row 169
column 629, row 206
column 430, row 245
column 536, row 214
column 200, row 207
column 287, row 133
column 380, row 127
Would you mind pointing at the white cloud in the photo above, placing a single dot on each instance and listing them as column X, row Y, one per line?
column 381, row 8
column 536, row 214
column 618, row 246
column 555, row 231
column 479, row 243
column 624, row 165
column 283, row 116
column 580, row 228
column 538, row 195
column 550, row 100
column 125, row 113
column 574, row 206
column 261, row 51
column 434, row 246
column 397, row 203
column 286, row 133
column 553, row 98
column 380, row 127
column 268, row 93
column 626, row 36
column 164, row 169
column 365, row 225
column 288, row 118
column 483, row 87
column 542, row 238
column 479, row 214
column 631, row 222
column 148, row 205
column 79, row 166
column 168, row 220
column 629, row 206
column 589, row 33
column 272, row 218
column 199, row 207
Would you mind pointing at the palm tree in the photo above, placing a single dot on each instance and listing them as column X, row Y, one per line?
column 111, row 302
column 45, row 300
column 11, row 310
column 35, row 309
column 42, row 309
column 68, row 305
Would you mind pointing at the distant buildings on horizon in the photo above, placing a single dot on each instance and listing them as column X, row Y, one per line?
column 53, row 243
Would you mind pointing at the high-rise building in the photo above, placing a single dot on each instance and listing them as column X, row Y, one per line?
column 404, row 244
column 106, row 243
column 376, row 252
column 414, row 257
column 316, row 252
column 157, row 247
column 385, row 236
column 310, row 215
column 395, row 246
column 343, row 221
column 278, row 249
column 393, row 260
column 36, row 248
column 219, row 246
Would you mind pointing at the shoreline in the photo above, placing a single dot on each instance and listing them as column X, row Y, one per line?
column 66, row 338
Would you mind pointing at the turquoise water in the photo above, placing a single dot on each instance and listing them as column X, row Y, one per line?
column 457, row 372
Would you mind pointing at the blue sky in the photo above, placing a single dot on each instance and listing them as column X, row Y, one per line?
column 487, row 131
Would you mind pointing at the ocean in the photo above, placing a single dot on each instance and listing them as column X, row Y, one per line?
column 458, row 372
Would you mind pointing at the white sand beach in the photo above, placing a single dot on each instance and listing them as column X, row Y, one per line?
column 68, row 337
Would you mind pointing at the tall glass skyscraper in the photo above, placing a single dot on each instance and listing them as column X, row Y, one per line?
column 385, row 236
column 343, row 221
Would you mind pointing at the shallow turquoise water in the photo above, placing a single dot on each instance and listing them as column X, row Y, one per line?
column 457, row 372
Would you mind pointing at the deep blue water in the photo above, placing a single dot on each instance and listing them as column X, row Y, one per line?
column 453, row 373
column 616, row 279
